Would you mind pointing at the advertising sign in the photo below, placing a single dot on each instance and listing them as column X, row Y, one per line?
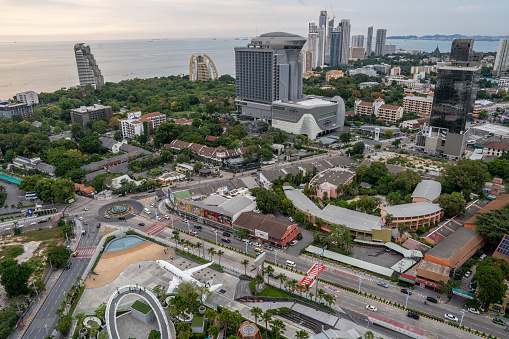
column 171, row 197
column 261, row 234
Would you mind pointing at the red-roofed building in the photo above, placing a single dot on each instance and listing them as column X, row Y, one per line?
column 495, row 148
column 87, row 191
column 210, row 138
column 390, row 113
column 135, row 124
column 183, row 121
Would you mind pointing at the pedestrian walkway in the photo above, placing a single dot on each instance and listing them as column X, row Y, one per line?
column 314, row 271
column 86, row 252
column 307, row 281
column 153, row 229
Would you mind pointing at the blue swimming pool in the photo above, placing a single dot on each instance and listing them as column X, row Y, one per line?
column 123, row 243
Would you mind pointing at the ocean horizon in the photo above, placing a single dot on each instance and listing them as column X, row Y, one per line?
column 49, row 66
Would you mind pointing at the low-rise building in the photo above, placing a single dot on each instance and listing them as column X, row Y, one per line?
column 495, row 148
column 390, row 113
column 334, row 74
column 33, row 163
column 427, row 191
column 134, row 124
column 420, row 106
column 30, row 98
column 395, row 71
column 9, row 109
column 183, row 121
column 84, row 114
column 368, row 108
column 368, row 84
column 87, row 191
column 368, row 70
column 413, row 215
column 328, row 181
column 267, row 228
column 415, row 124
column 184, row 168
column 502, row 251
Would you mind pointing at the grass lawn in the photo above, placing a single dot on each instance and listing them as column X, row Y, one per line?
column 44, row 234
column 272, row 292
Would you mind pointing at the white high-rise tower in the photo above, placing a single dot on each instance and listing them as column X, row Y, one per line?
column 88, row 70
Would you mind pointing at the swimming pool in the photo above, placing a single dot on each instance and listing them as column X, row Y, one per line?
column 123, row 243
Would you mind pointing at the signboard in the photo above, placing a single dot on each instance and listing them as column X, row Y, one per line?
column 261, row 234
column 171, row 197
column 189, row 208
column 420, row 281
column 217, row 217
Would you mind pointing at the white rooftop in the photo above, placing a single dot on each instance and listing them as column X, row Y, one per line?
column 495, row 129
column 412, row 210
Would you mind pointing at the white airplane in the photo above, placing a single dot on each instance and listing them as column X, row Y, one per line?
column 187, row 275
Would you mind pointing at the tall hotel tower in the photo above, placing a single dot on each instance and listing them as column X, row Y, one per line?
column 88, row 70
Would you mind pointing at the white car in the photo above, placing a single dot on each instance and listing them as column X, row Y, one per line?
column 152, row 205
column 85, row 209
column 371, row 308
column 474, row 310
column 450, row 317
column 213, row 230
column 167, row 216
column 158, row 218
column 257, row 244
column 107, row 216
column 81, row 218
column 193, row 233
column 293, row 242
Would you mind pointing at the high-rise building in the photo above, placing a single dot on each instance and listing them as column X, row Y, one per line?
column 356, row 53
column 269, row 86
column 335, row 47
column 202, row 68
column 330, row 29
column 312, row 43
column 28, row 97
column 88, row 70
column 455, row 92
column 306, row 57
column 380, row 41
column 322, row 20
column 369, row 41
column 85, row 114
column 501, row 66
column 389, row 49
column 321, row 45
column 358, row 41
column 345, row 41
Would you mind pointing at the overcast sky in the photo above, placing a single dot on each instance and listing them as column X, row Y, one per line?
column 64, row 20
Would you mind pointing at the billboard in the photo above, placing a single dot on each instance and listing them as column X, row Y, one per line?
column 261, row 234
column 217, row 217
column 171, row 197
column 189, row 208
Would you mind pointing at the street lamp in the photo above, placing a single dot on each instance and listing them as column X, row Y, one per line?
column 318, row 272
column 275, row 257
column 406, row 302
column 462, row 315
column 360, row 282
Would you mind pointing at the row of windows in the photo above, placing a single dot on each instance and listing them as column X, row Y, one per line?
column 285, row 117
column 325, row 116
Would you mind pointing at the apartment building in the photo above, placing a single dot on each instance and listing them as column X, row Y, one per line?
column 84, row 114
column 8, row 109
column 421, row 106
column 135, row 124
column 390, row 113
column 28, row 97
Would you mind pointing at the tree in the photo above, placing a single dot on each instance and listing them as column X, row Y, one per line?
column 376, row 171
column 58, row 256
column 269, row 271
column 345, row 137
column 301, row 334
column 357, row 148
column 388, row 133
column 64, row 324
column 211, row 251
column 367, row 204
column 77, row 132
column 369, row 335
column 493, row 225
column 256, row 312
column 396, row 142
column 15, row 278
column 213, row 331
column 465, row 176
column 267, row 316
column 282, row 279
column 401, row 230
column 154, row 334
column 29, row 183
column 278, row 327
column 266, row 201
column 490, row 275
column 220, row 253
column 298, row 217
column 62, row 189
column 453, row 204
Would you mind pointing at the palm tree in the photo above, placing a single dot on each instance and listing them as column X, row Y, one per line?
column 245, row 262
column 256, row 312
column 210, row 314
column 307, row 287
column 177, row 239
column 225, row 319
column 301, row 335
column 269, row 270
column 220, row 253
column 267, row 316
column 278, row 327
column 211, row 252
column 389, row 219
column 292, row 284
column 282, row 278
column 329, row 299
column 401, row 230
column 321, row 294
column 198, row 246
column 258, row 280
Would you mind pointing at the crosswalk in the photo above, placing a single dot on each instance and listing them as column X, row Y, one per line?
column 86, row 252
column 153, row 229
column 314, row 271
column 306, row 281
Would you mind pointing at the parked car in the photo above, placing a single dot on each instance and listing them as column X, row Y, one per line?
column 193, row 233
column 467, row 274
column 268, row 248
column 121, row 218
column 85, row 209
column 237, row 237
column 474, row 310
column 175, row 232
column 42, row 221
column 383, row 284
column 371, row 308
column 257, row 244
column 258, row 250
column 450, row 317
column 107, row 216
column 293, row 242
column 431, row 299
column 226, row 240
column 141, row 224
column 405, row 291
column 75, row 253
column 226, row 234
column 299, row 236
column 413, row 315
column 68, row 265
column 197, row 227
column 498, row 321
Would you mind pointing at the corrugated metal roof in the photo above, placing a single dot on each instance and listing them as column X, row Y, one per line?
column 351, row 219
column 412, row 210
column 428, row 189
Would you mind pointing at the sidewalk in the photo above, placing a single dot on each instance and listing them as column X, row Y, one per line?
column 36, row 306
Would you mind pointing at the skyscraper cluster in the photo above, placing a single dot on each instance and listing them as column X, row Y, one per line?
column 88, row 70
column 329, row 44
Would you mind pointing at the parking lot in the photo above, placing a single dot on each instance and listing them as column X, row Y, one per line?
column 375, row 255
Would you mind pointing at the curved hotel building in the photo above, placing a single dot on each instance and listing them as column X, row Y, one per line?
column 202, row 68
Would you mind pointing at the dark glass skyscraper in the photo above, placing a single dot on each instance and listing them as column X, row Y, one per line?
column 456, row 88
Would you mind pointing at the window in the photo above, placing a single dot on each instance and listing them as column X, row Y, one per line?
column 326, row 115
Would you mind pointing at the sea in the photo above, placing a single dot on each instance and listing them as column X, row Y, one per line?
column 49, row 66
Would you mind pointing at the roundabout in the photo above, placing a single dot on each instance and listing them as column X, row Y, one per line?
column 119, row 210
column 114, row 210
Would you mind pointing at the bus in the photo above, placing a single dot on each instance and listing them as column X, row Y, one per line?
column 30, row 195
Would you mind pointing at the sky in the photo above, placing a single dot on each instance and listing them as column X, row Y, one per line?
column 70, row 20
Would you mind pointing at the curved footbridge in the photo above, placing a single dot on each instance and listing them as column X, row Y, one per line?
column 165, row 327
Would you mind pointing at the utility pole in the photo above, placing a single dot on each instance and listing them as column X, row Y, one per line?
column 360, row 283
column 462, row 315
column 318, row 272
column 406, row 302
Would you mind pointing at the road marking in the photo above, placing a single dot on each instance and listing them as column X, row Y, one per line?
column 149, row 199
column 153, row 229
column 86, row 252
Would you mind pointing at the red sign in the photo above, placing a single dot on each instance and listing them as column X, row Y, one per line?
column 426, row 283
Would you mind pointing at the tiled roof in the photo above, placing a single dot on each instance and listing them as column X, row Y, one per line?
column 275, row 227
column 391, row 107
column 497, row 145
column 365, row 103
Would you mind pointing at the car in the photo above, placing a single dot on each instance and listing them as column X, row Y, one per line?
column 405, row 291
column 257, row 244
column 268, row 248
column 75, row 253
column 257, row 253
column 237, row 237
column 198, row 227
column 158, row 218
column 299, row 236
column 388, row 250
column 213, row 230
column 166, row 216
column 98, row 225
column 85, row 222
column 450, row 317
column 85, row 209
column 258, row 250
column 431, row 299
column 507, row 329
column 68, row 265
column 81, row 218
column 226, row 234
column 371, row 308
column 467, row 274
column 193, row 233
column 226, row 240
column 383, row 284
column 152, row 205
column 498, row 321
column 159, row 199
column 141, row 224
column 42, row 221
column 175, row 232
column 413, row 315
column 474, row 310
column 121, row 218
column 107, row 216
column 293, row 242
column 185, row 220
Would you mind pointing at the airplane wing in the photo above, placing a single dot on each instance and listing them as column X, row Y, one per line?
column 173, row 285
column 196, row 269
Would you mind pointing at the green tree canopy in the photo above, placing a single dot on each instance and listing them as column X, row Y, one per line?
column 15, row 278
column 453, row 204
column 266, row 201
column 494, row 224
column 58, row 255
column 465, row 175
column 490, row 275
